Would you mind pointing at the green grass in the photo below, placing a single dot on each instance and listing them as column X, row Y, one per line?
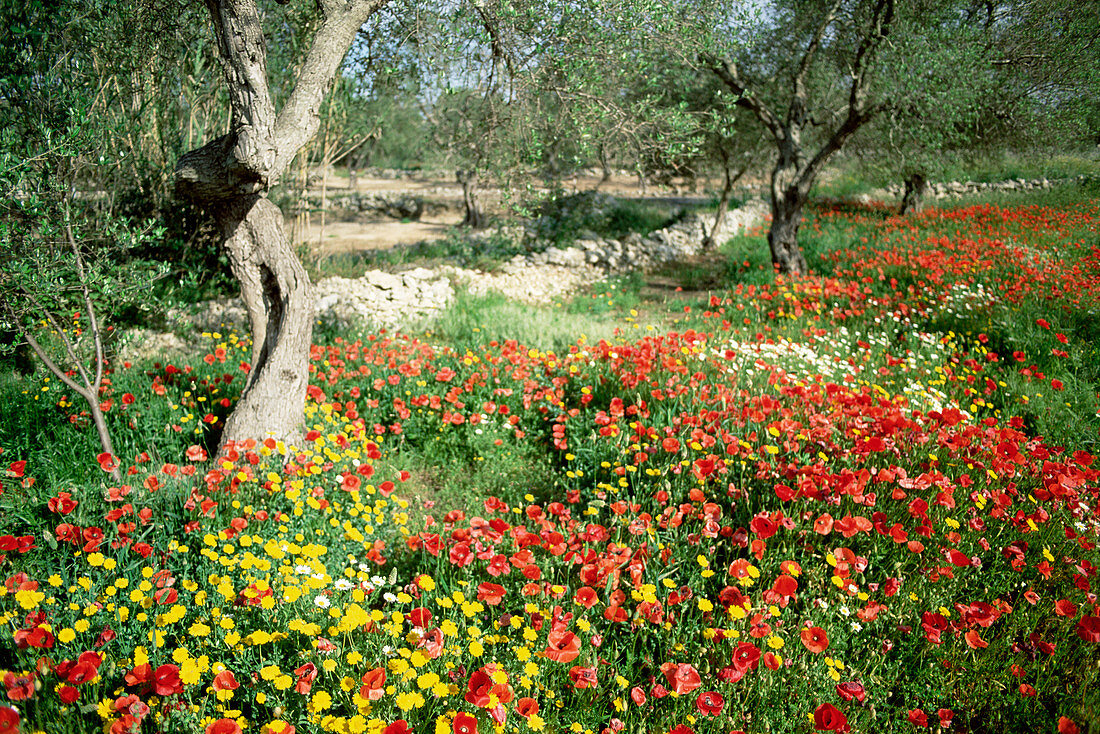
column 457, row 466
column 471, row 320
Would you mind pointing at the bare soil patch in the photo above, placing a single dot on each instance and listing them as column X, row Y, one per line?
column 342, row 237
column 382, row 234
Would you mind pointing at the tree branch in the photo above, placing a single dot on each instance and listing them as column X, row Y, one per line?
column 93, row 323
column 300, row 116
column 726, row 71
column 882, row 18
column 51, row 365
column 69, row 349
column 243, row 55
column 797, row 111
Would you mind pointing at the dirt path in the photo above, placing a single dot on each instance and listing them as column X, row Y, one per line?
column 345, row 237
column 358, row 236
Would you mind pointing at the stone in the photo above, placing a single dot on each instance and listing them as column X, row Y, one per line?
column 380, row 279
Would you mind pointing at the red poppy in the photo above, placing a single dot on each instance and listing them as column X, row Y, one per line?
column 1066, row 725
column 20, row 687
column 1065, row 608
column 917, row 717
column 306, row 675
column 398, row 727
column 40, row 637
column 974, row 640
column 225, row 681
column 583, row 677
column 481, row 688
column 828, row 717
column 490, row 593
column 637, row 695
column 527, row 706
column 464, row 724
column 165, row 597
column 815, row 639
column 432, row 642
column 140, row 674
column 420, row 617
column 106, row 635
column 166, row 680
column 682, row 678
column 562, row 646
column 850, row 690
column 107, row 462
column 224, row 726
column 93, row 538
column 374, row 684
column 586, row 596
column 746, row 656
column 9, row 720
column 1088, row 628
column 81, row 673
column 62, row 504
column 709, row 703
column 67, row 533
column 615, row 613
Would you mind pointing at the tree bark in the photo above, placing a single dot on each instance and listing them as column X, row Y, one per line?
column 469, row 179
column 916, row 185
column 787, row 256
column 605, row 169
column 277, row 294
column 230, row 177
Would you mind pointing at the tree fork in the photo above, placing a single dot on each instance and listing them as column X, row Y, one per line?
column 230, row 176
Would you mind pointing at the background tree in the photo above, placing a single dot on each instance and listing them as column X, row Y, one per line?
column 979, row 79
column 818, row 61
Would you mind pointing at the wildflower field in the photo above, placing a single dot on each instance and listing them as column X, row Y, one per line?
column 861, row 501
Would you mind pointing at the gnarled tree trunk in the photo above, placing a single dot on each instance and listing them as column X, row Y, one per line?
column 916, row 185
column 230, row 177
column 788, row 197
column 277, row 294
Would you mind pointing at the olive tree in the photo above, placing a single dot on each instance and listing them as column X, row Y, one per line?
column 230, row 176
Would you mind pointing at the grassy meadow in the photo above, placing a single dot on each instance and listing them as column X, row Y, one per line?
column 862, row 501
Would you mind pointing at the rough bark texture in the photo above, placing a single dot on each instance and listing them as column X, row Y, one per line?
column 276, row 292
column 230, row 177
column 474, row 217
column 916, row 185
column 783, row 236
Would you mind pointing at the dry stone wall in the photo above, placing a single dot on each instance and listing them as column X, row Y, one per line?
column 401, row 300
column 957, row 189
